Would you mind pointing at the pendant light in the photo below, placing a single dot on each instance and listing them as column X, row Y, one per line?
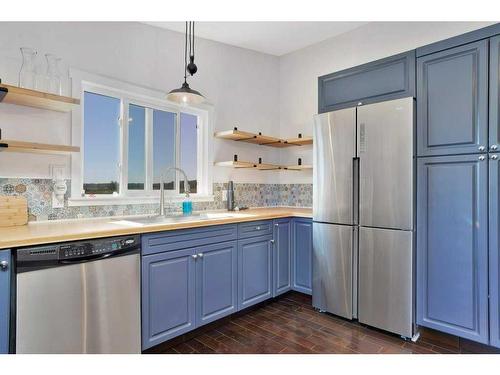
column 185, row 94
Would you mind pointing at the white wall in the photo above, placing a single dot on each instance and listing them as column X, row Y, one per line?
column 242, row 84
column 299, row 71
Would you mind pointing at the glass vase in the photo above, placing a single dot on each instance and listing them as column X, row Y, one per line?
column 53, row 79
column 27, row 71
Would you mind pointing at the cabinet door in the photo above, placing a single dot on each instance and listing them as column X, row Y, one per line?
column 168, row 296
column 216, row 282
column 494, row 233
column 282, row 256
column 494, row 123
column 254, row 270
column 302, row 255
column 5, row 267
column 452, row 247
column 452, row 100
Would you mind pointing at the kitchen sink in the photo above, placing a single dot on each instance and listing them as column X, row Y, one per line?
column 157, row 219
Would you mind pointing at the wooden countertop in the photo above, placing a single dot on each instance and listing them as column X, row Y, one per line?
column 70, row 230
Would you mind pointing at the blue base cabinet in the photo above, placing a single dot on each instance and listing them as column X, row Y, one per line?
column 452, row 245
column 302, row 255
column 255, row 266
column 168, row 296
column 282, row 256
column 452, row 101
column 4, row 300
column 216, row 281
column 494, row 249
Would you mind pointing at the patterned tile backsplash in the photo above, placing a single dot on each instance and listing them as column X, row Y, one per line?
column 39, row 195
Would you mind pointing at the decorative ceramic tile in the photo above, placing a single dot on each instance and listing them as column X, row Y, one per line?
column 38, row 192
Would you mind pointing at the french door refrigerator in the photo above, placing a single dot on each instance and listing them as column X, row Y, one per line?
column 363, row 214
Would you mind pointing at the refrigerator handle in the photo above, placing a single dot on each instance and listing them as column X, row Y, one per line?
column 355, row 190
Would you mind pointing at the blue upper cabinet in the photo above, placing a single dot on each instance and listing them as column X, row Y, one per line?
column 495, row 94
column 254, row 270
column 385, row 79
column 494, row 249
column 452, row 97
column 4, row 300
column 216, row 282
column 302, row 255
column 282, row 256
column 168, row 296
column 452, row 245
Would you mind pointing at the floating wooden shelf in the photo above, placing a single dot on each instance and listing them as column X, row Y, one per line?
column 298, row 167
column 264, row 140
column 37, row 99
column 262, row 166
column 31, row 147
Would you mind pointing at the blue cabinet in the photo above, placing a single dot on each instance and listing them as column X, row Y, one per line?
column 216, row 282
column 494, row 249
column 389, row 78
column 452, row 245
column 302, row 255
column 255, row 266
column 282, row 258
column 494, row 122
column 452, row 98
column 5, row 267
column 168, row 295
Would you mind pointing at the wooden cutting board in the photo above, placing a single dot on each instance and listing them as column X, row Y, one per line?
column 13, row 211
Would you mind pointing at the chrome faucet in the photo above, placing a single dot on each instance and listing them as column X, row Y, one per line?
column 162, row 189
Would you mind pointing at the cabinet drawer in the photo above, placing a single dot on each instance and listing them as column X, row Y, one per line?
column 255, row 228
column 184, row 238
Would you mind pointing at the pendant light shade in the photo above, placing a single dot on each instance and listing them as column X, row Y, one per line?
column 186, row 95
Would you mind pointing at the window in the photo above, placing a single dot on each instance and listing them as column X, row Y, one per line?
column 132, row 142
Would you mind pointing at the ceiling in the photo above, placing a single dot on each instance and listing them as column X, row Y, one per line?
column 274, row 38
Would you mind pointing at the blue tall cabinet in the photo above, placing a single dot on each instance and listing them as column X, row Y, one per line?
column 4, row 300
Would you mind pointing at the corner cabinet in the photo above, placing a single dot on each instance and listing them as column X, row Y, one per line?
column 5, row 275
column 452, row 98
column 386, row 79
column 282, row 262
column 494, row 248
column 302, row 255
column 452, row 245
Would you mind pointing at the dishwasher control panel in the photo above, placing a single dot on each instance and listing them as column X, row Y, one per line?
column 80, row 250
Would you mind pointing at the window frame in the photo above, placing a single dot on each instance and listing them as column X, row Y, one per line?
column 151, row 99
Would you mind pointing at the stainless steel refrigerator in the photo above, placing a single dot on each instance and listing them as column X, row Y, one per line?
column 363, row 214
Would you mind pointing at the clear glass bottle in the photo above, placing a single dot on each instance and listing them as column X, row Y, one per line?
column 53, row 79
column 61, row 78
column 27, row 71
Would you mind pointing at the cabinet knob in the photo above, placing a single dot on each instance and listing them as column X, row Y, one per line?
column 272, row 242
column 481, row 157
column 4, row 265
column 257, row 228
column 194, row 256
column 482, row 148
column 200, row 255
column 494, row 147
column 494, row 157
column 276, row 225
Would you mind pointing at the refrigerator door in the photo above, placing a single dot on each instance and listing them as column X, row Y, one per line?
column 334, row 150
column 333, row 268
column 385, row 150
column 385, row 280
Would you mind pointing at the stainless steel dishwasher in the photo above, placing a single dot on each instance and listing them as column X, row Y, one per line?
column 79, row 297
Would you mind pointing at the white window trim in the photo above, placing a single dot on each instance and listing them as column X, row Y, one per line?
column 84, row 81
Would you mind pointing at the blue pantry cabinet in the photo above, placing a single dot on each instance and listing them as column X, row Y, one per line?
column 494, row 250
column 494, row 123
column 255, row 270
column 216, row 282
column 302, row 255
column 452, row 101
column 282, row 256
column 452, row 245
column 4, row 300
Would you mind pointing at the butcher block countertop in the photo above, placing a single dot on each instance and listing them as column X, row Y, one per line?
column 70, row 230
